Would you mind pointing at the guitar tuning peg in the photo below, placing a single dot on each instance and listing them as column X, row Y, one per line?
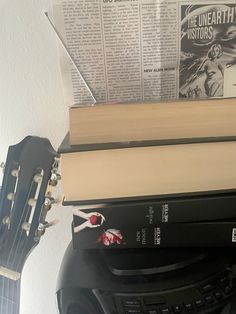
column 42, row 228
column 46, row 225
column 49, row 201
column 55, row 177
column 2, row 166
column 56, row 162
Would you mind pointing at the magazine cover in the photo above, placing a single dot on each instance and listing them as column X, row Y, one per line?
column 207, row 48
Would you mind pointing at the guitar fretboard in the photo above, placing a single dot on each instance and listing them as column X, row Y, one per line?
column 9, row 296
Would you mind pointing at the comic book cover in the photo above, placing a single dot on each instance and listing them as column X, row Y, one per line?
column 207, row 48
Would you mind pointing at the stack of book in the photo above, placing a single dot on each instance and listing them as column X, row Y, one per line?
column 152, row 175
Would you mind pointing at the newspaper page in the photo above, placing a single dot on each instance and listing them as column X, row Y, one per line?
column 146, row 50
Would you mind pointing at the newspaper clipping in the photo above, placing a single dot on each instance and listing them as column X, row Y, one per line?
column 145, row 50
column 208, row 47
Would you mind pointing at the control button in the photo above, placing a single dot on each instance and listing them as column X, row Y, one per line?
column 224, row 281
column 209, row 299
column 207, row 288
column 154, row 300
column 188, row 306
column 177, row 308
column 152, row 312
column 199, row 303
column 165, row 310
column 133, row 311
column 228, row 289
column 218, row 295
column 131, row 302
column 133, row 307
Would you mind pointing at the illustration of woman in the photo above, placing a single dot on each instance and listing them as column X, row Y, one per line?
column 214, row 71
column 92, row 220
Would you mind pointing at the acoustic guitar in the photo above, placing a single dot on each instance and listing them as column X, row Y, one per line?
column 30, row 173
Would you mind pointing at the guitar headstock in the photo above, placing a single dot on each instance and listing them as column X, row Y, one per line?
column 30, row 173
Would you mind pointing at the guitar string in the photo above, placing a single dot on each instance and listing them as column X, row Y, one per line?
column 21, row 253
column 17, row 283
column 4, row 299
column 8, row 283
column 17, row 266
column 20, row 236
column 15, row 238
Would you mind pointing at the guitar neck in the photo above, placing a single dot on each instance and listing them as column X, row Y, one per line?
column 9, row 296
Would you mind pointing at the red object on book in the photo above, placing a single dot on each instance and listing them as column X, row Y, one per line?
column 93, row 219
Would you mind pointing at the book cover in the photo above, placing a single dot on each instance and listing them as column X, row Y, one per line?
column 210, row 234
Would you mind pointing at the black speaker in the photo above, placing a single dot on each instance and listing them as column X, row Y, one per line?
column 147, row 281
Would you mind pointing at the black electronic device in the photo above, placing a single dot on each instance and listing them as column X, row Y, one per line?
column 146, row 281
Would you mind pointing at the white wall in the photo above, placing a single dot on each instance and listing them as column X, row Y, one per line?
column 31, row 102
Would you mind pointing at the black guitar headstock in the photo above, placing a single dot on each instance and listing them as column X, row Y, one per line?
column 30, row 172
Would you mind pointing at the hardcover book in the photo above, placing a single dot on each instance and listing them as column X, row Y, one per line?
column 177, row 222
column 210, row 234
column 161, row 169
column 108, row 123
column 167, row 210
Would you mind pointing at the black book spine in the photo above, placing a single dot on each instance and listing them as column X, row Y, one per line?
column 211, row 234
column 176, row 210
